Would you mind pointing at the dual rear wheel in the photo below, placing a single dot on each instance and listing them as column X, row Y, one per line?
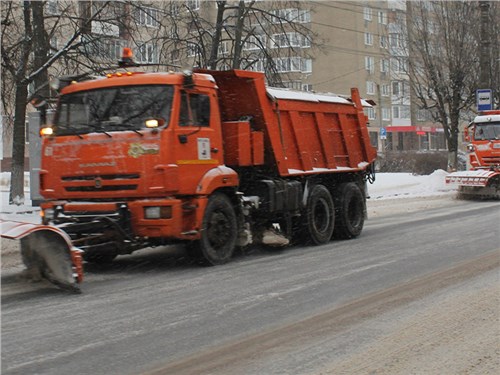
column 325, row 220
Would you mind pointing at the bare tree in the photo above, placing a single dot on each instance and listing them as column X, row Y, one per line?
column 443, row 45
column 238, row 34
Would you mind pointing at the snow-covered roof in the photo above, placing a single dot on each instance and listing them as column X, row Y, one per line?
column 276, row 93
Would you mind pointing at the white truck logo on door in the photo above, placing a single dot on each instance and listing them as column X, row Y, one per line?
column 204, row 148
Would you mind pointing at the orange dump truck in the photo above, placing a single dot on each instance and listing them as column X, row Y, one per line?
column 213, row 159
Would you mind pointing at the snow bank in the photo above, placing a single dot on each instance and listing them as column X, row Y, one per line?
column 406, row 185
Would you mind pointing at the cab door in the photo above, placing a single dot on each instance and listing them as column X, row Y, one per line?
column 198, row 142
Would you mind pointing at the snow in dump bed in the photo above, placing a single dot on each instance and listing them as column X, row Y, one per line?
column 310, row 97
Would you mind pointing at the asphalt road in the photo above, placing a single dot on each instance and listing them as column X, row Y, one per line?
column 154, row 312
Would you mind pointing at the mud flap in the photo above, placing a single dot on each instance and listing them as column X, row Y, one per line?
column 47, row 253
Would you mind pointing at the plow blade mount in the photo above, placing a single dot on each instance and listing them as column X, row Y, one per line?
column 47, row 252
column 477, row 183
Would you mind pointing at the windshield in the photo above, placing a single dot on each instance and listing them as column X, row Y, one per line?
column 489, row 131
column 113, row 109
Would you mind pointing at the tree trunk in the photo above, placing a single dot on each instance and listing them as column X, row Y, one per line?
column 238, row 36
column 16, row 195
column 40, row 49
column 18, row 145
column 221, row 8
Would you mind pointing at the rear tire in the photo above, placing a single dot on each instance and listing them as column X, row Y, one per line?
column 350, row 213
column 218, row 233
column 320, row 214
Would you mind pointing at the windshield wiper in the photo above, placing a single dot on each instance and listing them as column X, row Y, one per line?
column 98, row 129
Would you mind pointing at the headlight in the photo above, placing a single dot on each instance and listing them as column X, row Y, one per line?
column 470, row 147
column 158, row 212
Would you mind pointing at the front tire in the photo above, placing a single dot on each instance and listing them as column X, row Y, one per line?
column 218, row 233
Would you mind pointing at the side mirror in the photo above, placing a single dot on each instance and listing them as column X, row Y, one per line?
column 41, row 105
column 467, row 132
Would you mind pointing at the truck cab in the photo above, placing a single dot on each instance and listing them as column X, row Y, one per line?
column 484, row 137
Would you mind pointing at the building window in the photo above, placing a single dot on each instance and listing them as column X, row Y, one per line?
column 369, row 39
column 395, row 40
column 386, row 90
column 296, row 85
column 370, row 64
column 384, row 66
column 370, row 112
column 306, row 65
column 255, row 42
column 146, row 53
column 223, row 48
column 147, row 16
column 370, row 87
column 399, row 64
column 293, row 64
column 386, row 113
column 106, row 48
column 382, row 18
column 383, row 41
column 395, row 111
column 53, row 7
column 284, row 15
column 404, row 112
column 193, row 50
column 307, row 87
column 291, row 15
column 396, row 89
column 367, row 13
column 304, row 16
column 174, row 55
column 257, row 66
column 193, row 4
column 292, row 39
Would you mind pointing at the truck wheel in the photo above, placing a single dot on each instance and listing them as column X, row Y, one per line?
column 320, row 215
column 219, row 230
column 350, row 214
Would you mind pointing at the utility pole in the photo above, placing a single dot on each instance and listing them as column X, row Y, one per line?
column 485, row 57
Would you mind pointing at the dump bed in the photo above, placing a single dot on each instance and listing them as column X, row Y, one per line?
column 303, row 132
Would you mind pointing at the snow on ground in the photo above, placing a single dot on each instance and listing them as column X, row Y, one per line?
column 407, row 185
column 386, row 186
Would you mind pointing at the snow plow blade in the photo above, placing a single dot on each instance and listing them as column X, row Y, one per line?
column 476, row 184
column 47, row 252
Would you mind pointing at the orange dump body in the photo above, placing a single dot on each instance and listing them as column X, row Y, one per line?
column 303, row 133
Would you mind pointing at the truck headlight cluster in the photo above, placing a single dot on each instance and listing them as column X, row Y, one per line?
column 158, row 212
